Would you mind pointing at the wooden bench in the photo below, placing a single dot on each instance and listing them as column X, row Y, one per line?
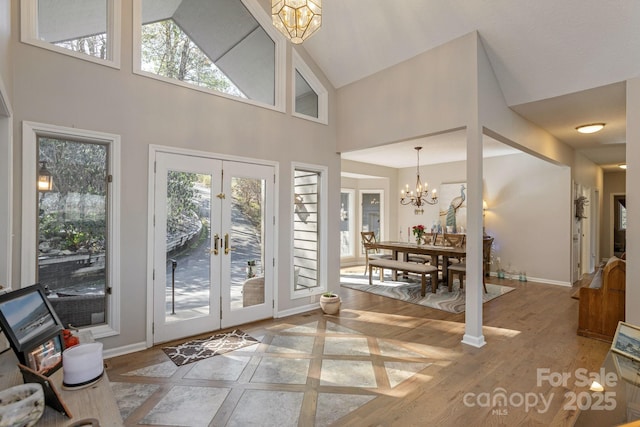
column 602, row 304
column 410, row 267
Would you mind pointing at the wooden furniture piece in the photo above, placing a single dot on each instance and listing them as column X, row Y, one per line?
column 411, row 267
column 370, row 250
column 454, row 239
column 460, row 269
column 96, row 401
column 602, row 307
column 439, row 254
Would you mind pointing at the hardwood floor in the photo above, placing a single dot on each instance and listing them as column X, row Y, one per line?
column 531, row 328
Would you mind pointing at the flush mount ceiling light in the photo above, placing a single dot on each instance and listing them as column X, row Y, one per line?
column 590, row 128
column 297, row 19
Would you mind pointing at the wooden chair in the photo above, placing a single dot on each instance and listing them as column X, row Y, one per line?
column 427, row 239
column 455, row 240
column 460, row 269
column 369, row 237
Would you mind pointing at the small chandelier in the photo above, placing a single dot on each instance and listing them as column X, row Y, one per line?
column 297, row 19
column 421, row 195
column 45, row 179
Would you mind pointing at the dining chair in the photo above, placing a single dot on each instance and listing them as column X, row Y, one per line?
column 368, row 238
column 457, row 241
column 426, row 239
column 460, row 269
column 454, row 239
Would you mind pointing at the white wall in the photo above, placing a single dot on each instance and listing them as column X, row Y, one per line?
column 528, row 214
column 5, row 45
column 423, row 95
column 60, row 90
column 6, row 144
column 633, row 201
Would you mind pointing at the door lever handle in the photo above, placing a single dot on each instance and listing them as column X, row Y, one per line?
column 216, row 239
column 227, row 248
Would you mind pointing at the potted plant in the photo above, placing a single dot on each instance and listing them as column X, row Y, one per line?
column 330, row 303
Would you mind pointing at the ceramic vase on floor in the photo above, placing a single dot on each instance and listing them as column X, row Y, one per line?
column 330, row 303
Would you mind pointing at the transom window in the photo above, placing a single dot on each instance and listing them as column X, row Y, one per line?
column 214, row 45
column 88, row 29
column 310, row 98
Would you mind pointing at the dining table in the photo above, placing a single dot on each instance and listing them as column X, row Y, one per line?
column 440, row 254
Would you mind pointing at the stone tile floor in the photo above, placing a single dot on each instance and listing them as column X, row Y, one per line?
column 309, row 374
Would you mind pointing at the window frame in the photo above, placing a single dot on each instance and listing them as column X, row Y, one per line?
column 300, row 66
column 263, row 19
column 29, row 33
column 6, row 189
column 352, row 216
column 30, row 133
column 323, row 226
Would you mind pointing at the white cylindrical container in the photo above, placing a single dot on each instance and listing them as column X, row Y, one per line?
column 82, row 365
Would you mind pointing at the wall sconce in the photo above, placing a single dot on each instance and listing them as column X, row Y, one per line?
column 45, row 179
column 484, row 207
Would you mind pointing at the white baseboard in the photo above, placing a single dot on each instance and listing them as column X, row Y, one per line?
column 540, row 280
column 297, row 310
column 125, row 349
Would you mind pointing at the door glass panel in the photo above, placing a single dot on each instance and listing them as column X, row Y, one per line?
column 72, row 229
column 371, row 213
column 188, row 269
column 247, row 237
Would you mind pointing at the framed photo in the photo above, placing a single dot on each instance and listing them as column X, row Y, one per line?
column 628, row 369
column 627, row 341
column 51, row 396
column 46, row 358
column 29, row 321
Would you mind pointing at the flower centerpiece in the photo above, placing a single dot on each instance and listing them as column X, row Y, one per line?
column 418, row 231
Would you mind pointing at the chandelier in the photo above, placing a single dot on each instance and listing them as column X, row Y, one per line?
column 297, row 19
column 421, row 196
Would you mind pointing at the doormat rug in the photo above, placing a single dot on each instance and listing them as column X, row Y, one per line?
column 409, row 291
column 192, row 351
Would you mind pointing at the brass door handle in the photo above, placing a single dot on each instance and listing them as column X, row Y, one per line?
column 216, row 239
column 227, row 248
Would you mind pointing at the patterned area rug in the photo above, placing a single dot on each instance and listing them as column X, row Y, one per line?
column 192, row 351
column 409, row 291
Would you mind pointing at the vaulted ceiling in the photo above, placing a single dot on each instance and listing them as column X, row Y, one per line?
column 560, row 64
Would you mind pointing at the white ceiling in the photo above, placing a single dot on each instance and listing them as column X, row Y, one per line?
column 559, row 63
column 444, row 148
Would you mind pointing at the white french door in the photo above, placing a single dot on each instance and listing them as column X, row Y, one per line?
column 213, row 230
